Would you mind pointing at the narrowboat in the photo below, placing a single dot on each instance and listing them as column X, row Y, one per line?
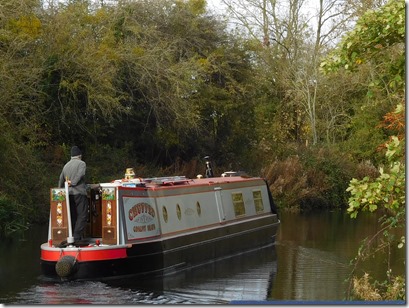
column 158, row 226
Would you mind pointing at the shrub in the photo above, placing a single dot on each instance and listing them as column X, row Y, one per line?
column 314, row 178
column 11, row 218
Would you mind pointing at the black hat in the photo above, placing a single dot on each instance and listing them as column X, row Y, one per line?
column 75, row 151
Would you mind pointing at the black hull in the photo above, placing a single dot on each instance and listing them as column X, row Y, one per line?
column 177, row 253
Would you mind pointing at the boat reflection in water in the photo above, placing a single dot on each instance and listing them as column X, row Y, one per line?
column 248, row 276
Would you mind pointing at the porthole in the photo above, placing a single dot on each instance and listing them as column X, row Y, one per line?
column 165, row 213
column 198, row 208
column 178, row 211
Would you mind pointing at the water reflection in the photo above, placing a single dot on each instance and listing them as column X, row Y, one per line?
column 310, row 261
column 245, row 277
column 310, row 273
column 314, row 251
column 79, row 293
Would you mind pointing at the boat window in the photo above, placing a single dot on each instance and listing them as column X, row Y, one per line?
column 198, row 208
column 258, row 201
column 178, row 211
column 238, row 204
column 165, row 213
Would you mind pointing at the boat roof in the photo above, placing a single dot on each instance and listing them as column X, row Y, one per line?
column 176, row 181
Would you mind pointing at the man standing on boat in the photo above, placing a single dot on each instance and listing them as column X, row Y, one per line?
column 74, row 173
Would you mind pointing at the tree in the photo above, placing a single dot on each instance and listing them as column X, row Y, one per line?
column 292, row 41
column 387, row 193
column 131, row 83
column 377, row 44
column 80, row 65
column 186, row 80
column 22, row 130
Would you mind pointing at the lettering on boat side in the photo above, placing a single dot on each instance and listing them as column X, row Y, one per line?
column 140, row 218
column 189, row 211
column 141, row 208
column 150, row 227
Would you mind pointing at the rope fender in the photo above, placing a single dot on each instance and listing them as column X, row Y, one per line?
column 65, row 266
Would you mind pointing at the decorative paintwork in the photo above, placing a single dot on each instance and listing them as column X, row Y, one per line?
column 108, row 193
column 140, row 218
column 58, row 215
column 58, row 194
column 109, row 213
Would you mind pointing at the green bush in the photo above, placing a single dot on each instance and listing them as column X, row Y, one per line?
column 11, row 218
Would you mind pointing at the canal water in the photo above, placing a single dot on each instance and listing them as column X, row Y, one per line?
column 309, row 262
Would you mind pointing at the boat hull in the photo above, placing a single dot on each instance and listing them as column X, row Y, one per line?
column 165, row 255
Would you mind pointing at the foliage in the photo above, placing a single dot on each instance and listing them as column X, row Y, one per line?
column 366, row 287
column 378, row 36
column 336, row 167
column 157, row 85
column 375, row 51
column 376, row 48
column 312, row 178
column 11, row 218
column 364, row 290
column 147, row 83
column 388, row 189
column 387, row 193
column 23, row 179
column 364, row 134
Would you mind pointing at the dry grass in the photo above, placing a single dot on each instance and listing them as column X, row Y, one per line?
column 291, row 183
column 363, row 289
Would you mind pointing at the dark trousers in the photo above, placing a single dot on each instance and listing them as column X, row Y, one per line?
column 79, row 215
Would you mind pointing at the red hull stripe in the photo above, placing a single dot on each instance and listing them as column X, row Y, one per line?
column 83, row 255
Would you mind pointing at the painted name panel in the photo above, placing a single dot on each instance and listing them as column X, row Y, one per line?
column 141, row 219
